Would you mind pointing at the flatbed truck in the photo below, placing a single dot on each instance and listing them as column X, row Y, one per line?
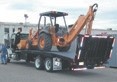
column 70, row 48
column 85, row 51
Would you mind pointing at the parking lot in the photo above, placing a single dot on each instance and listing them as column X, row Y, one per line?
column 23, row 72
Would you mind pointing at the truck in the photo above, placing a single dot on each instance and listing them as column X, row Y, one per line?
column 55, row 48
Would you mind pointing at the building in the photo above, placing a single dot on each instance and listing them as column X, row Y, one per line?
column 7, row 28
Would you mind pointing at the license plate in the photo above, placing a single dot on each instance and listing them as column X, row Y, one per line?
column 81, row 63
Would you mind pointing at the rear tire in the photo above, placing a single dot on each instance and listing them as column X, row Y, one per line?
column 45, row 42
column 90, row 66
column 63, row 49
column 49, row 64
column 39, row 63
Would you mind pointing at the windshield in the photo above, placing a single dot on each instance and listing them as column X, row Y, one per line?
column 61, row 21
column 51, row 21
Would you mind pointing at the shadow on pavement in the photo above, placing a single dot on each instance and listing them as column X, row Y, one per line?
column 78, row 73
column 23, row 63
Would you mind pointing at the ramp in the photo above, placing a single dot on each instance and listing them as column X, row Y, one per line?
column 94, row 49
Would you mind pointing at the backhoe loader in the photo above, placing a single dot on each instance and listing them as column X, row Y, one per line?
column 51, row 33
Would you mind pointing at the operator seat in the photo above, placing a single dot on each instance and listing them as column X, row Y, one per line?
column 56, row 28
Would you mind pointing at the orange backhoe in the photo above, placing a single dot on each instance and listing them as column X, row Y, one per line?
column 51, row 33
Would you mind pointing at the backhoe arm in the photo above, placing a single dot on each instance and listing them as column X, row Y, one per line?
column 83, row 20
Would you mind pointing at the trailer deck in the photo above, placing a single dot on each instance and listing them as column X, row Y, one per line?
column 54, row 52
column 96, row 47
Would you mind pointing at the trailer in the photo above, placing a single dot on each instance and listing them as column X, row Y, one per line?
column 85, row 51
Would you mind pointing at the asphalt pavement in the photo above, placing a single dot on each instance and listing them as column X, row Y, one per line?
column 23, row 72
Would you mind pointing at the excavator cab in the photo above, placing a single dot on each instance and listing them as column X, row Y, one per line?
column 50, row 22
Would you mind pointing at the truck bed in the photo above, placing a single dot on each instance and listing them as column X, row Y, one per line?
column 95, row 46
column 54, row 52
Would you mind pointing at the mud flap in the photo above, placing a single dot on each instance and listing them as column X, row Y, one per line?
column 57, row 64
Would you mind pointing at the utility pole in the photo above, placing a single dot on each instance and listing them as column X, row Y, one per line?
column 25, row 16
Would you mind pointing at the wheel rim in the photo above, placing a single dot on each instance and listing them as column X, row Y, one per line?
column 48, row 64
column 42, row 43
column 37, row 63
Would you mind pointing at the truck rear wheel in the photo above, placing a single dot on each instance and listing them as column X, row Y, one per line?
column 90, row 66
column 39, row 63
column 49, row 64
column 63, row 49
column 45, row 42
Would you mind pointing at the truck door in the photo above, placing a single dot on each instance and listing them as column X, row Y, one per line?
column 12, row 41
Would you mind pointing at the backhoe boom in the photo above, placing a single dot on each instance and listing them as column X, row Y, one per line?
column 83, row 20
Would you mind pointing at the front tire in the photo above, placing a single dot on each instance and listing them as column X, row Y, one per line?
column 45, row 42
column 39, row 63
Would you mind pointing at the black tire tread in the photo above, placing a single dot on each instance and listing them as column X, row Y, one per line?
column 48, row 42
column 41, row 65
column 51, row 69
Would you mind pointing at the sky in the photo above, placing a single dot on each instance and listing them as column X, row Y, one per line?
column 14, row 10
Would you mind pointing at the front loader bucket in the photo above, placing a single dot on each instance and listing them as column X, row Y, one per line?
column 94, row 50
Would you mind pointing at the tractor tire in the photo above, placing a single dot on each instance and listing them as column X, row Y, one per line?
column 45, row 42
column 39, row 64
column 63, row 49
column 49, row 64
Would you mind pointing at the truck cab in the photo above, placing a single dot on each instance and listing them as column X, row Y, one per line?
column 22, row 42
